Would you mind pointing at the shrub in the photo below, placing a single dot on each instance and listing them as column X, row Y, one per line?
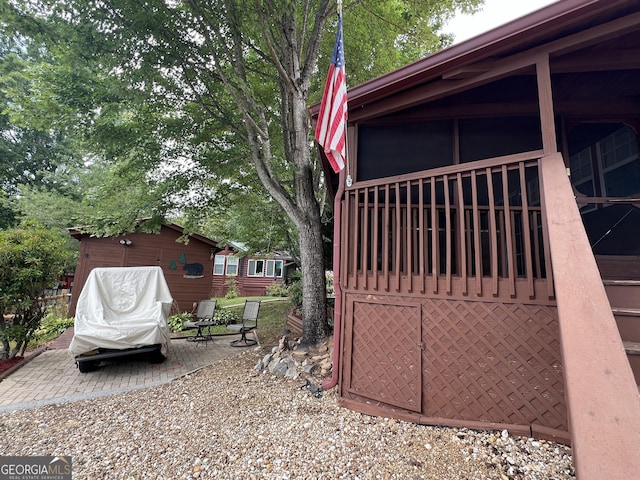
column 295, row 289
column 51, row 327
column 277, row 290
column 232, row 289
column 175, row 321
column 225, row 317
column 31, row 257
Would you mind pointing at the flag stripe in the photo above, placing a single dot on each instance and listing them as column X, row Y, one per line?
column 332, row 117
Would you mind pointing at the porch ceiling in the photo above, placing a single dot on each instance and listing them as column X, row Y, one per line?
column 479, row 55
column 603, row 77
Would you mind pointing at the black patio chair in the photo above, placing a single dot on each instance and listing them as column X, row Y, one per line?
column 249, row 323
column 204, row 313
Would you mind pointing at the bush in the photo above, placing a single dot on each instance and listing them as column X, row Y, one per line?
column 175, row 321
column 225, row 317
column 277, row 290
column 295, row 289
column 51, row 327
column 31, row 257
column 220, row 317
column 232, row 289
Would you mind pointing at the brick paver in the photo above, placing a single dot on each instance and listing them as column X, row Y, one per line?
column 52, row 377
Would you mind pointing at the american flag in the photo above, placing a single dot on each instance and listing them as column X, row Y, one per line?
column 332, row 118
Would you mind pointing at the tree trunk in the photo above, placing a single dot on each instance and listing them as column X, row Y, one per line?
column 314, row 296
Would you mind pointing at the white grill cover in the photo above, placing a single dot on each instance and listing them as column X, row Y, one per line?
column 122, row 307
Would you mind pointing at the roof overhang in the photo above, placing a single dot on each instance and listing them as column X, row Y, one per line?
column 461, row 63
column 79, row 234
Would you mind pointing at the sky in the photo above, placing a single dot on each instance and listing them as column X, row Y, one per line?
column 494, row 13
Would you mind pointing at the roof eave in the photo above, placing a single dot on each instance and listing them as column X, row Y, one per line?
column 523, row 30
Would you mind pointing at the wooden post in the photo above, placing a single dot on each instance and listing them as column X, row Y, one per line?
column 545, row 100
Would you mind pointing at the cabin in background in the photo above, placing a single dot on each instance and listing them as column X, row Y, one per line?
column 486, row 224
column 186, row 267
column 250, row 275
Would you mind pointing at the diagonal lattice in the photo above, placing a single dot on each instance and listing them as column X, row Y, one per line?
column 458, row 360
column 386, row 354
column 492, row 362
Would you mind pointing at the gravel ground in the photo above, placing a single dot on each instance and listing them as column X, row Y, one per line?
column 230, row 422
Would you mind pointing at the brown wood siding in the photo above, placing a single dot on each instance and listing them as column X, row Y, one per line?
column 149, row 249
column 246, row 286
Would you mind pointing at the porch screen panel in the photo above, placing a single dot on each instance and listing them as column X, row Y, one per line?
column 386, row 150
column 495, row 137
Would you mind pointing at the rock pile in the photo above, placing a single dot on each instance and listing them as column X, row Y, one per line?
column 290, row 360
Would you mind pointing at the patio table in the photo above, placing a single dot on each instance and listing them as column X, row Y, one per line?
column 200, row 336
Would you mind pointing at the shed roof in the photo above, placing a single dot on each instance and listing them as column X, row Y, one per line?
column 78, row 234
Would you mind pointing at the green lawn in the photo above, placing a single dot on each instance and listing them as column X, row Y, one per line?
column 227, row 302
column 272, row 318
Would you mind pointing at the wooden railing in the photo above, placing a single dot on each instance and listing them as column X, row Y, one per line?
column 473, row 230
column 604, row 406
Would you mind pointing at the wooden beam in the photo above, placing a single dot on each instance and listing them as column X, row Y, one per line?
column 467, row 71
column 533, row 155
column 597, row 61
column 518, row 63
column 545, row 98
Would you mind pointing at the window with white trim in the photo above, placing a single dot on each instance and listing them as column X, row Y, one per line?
column 232, row 265
column 256, row 268
column 279, row 268
column 270, row 268
column 274, row 268
column 265, row 268
column 218, row 265
column 225, row 265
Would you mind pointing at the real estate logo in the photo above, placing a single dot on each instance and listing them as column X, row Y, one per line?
column 35, row 468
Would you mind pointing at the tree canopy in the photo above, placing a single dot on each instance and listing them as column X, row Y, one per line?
column 191, row 101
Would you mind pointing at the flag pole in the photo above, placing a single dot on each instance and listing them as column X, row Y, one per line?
column 348, row 179
column 332, row 117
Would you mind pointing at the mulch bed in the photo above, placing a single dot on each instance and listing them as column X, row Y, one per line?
column 9, row 363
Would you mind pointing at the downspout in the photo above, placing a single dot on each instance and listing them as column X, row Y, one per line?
column 337, row 314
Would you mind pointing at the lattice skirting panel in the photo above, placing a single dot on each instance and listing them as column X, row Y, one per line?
column 465, row 361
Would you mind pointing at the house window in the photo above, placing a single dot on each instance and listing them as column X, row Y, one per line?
column 274, row 268
column 256, row 268
column 232, row 265
column 265, row 268
column 619, row 163
column 228, row 261
column 218, row 265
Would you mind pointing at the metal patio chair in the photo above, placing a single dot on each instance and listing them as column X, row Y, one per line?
column 249, row 323
column 204, row 313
